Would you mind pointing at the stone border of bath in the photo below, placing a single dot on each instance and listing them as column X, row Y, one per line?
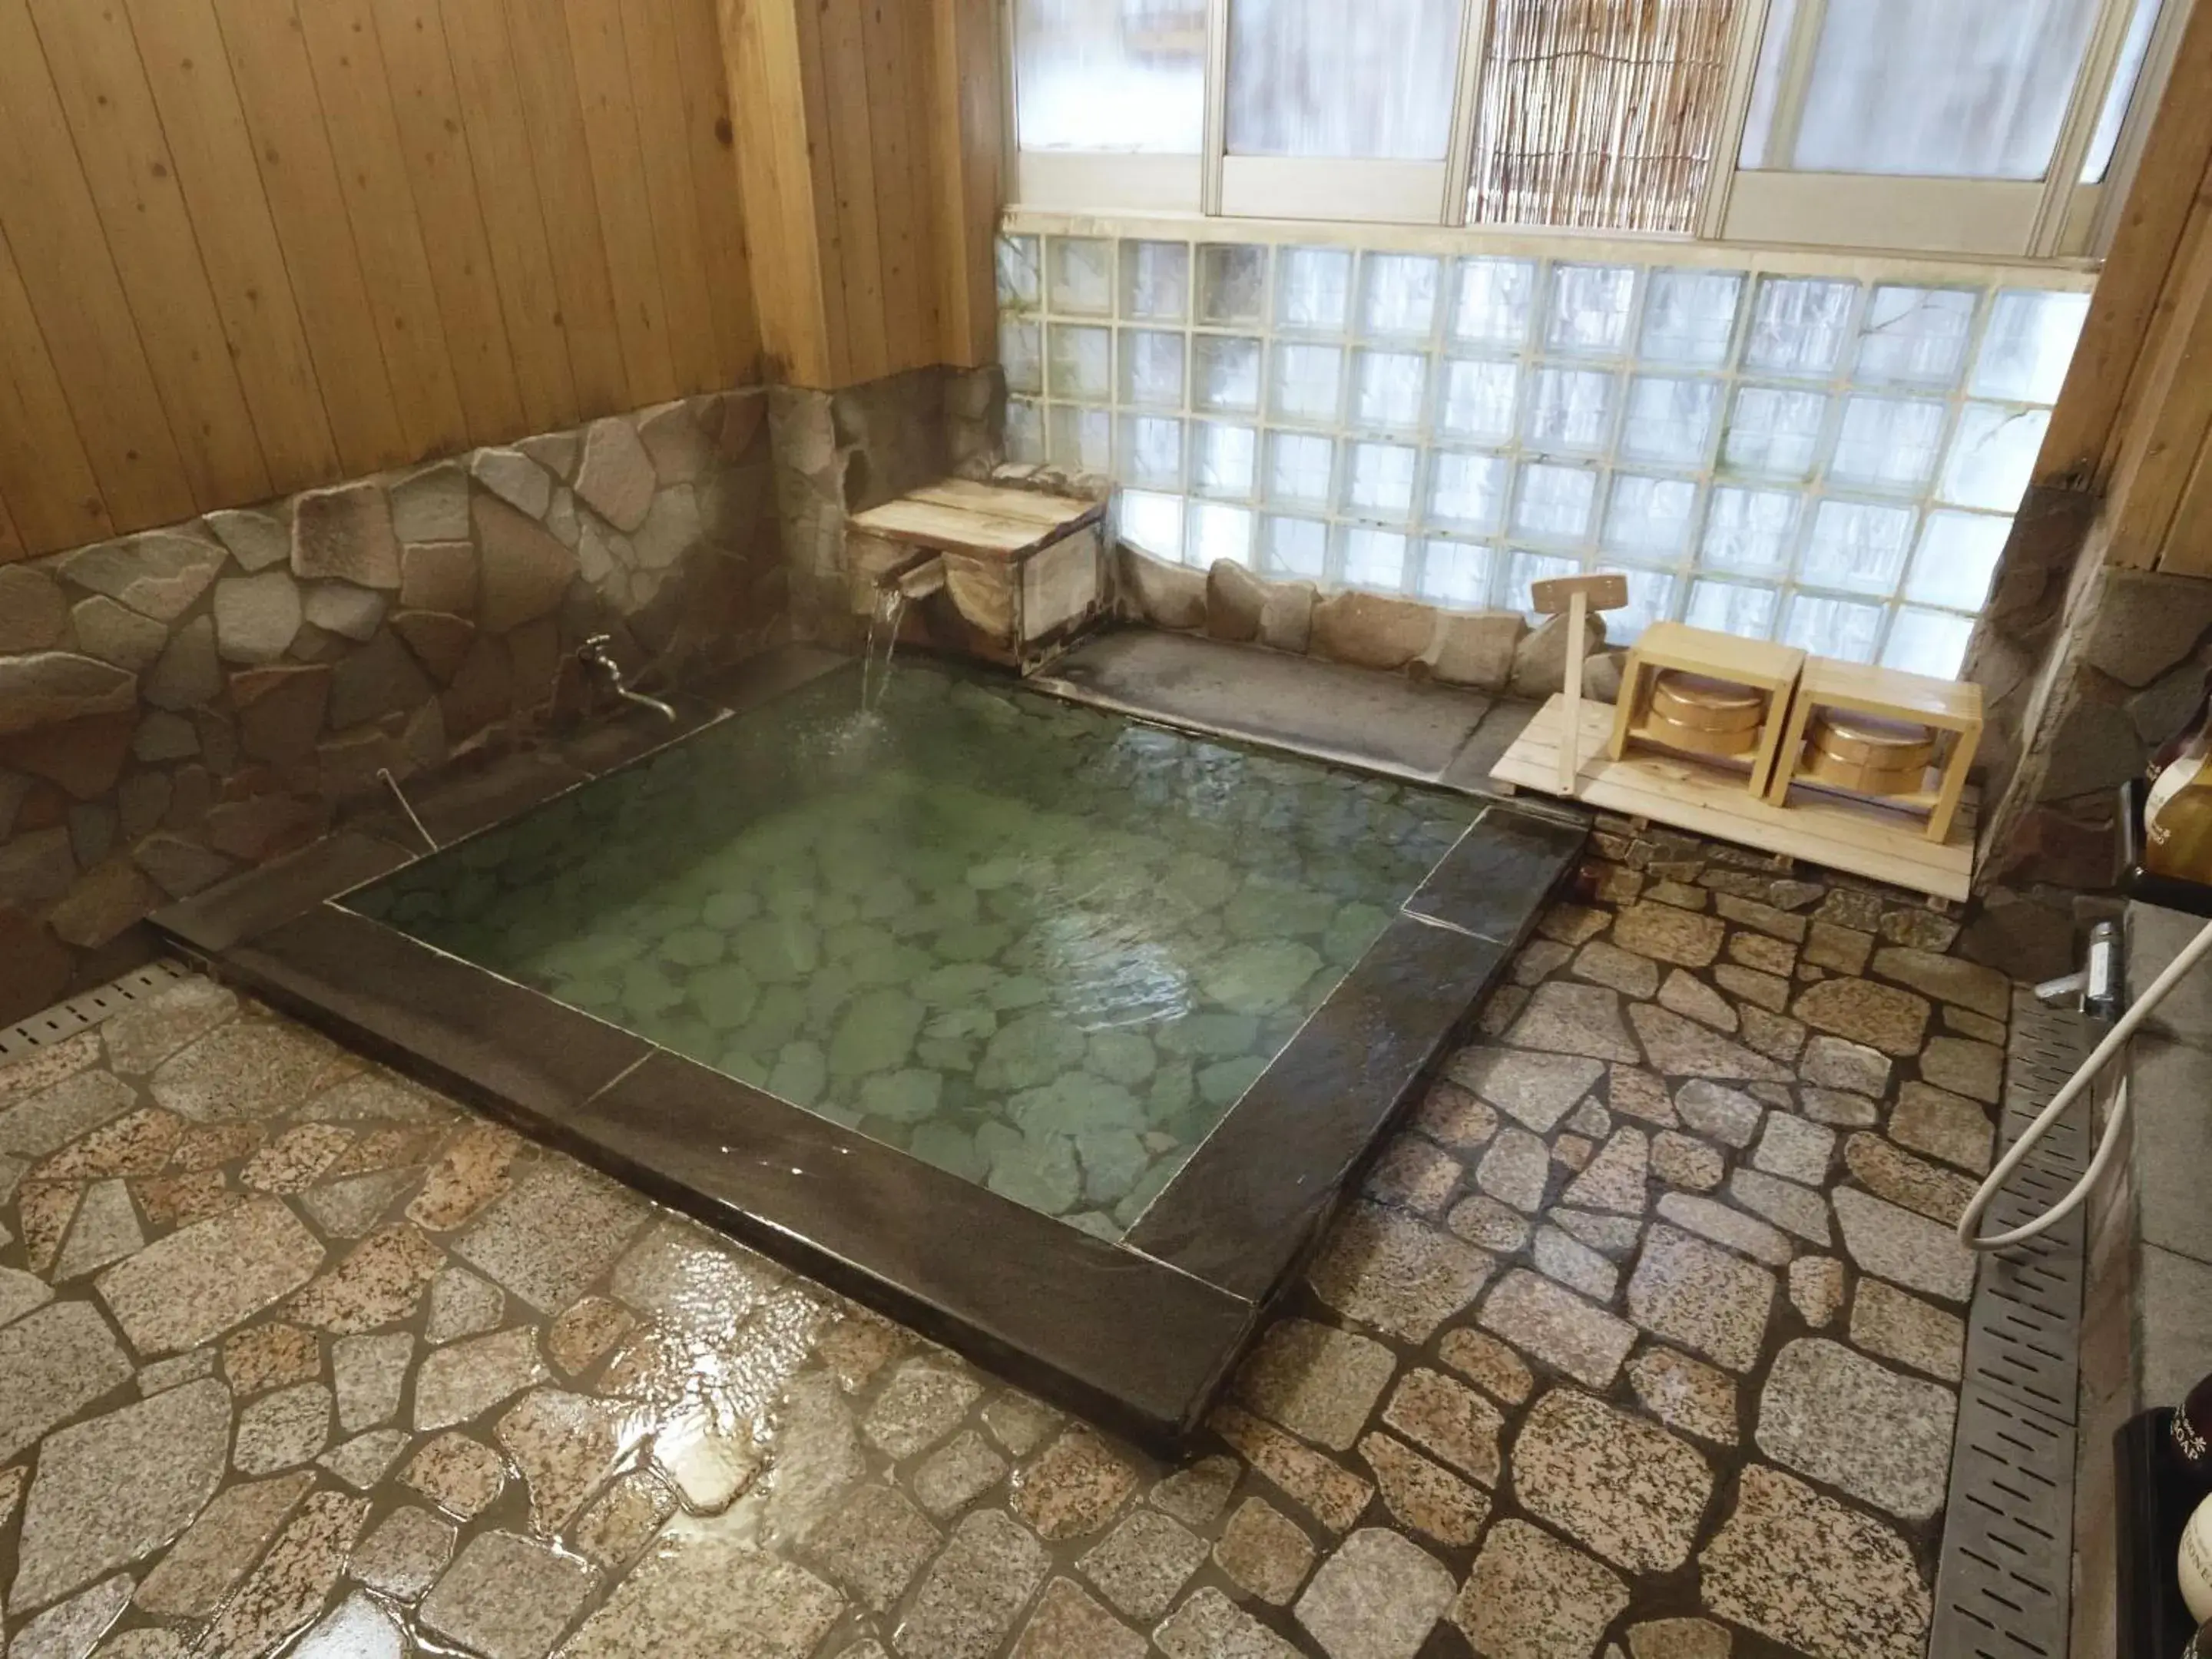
column 1137, row 1333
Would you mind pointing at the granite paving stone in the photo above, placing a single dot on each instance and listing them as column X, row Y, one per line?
column 1209, row 1625
column 1816, row 1289
column 1488, row 1363
column 1727, row 1115
column 1680, row 1047
column 1575, row 1019
column 1423, row 1495
column 1927, row 1188
column 1801, row 1211
column 873, row 1547
column 379, row 1283
column 1264, row 1551
column 1074, row 1486
column 1687, row 937
column 1964, row 1068
column 705, row 1593
column 1515, row 1170
column 1604, row 963
column 1848, row 1422
column 201, row 1567
column 1795, row 1150
column 245, row 1069
column 1894, row 1244
column 260, row 1358
column 565, row 1446
column 1631, row 1492
column 1560, row 1254
column 369, row 1373
column 961, row 1471
column 460, row 1474
column 552, row 1234
column 622, row 1520
column 1686, row 995
column 1069, row 1622
column 1143, row 1563
column 1318, row 1382
column 1686, row 1394
column 1413, row 1174
column 1197, row 1493
column 1709, row 1301
column 1723, row 1225
column 1559, row 1328
column 1330, row 1493
column 364, row 1461
column 1944, row 1125
column 1377, row 1597
column 1806, row 1572
column 69, row 1632
column 1531, row 1597
column 973, row 1592
column 923, row 1403
column 1448, row 1419
column 1889, row 1323
column 1385, row 1269
column 507, row 1597
column 1534, row 1089
column 54, row 1362
column 1882, row 1016
column 281, row 1430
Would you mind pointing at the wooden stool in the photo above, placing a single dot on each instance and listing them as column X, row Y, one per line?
column 1947, row 706
column 1768, row 669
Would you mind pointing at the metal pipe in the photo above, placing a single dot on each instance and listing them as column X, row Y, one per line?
column 596, row 655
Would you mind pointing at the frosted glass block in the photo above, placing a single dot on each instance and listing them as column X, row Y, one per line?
column 1773, row 431
column 1232, row 283
column 1155, row 282
column 1097, row 77
column 1080, row 359
column 1387, row 388
column 1024, row 432
column 1477, row 401
column 1569, row 409
column 1151, row 523
column 1374, row 559
column 1219, row 533
column 1491, row 301
column 1555, row 502
column 1957, row 558
column 1379, row 481
column 1927, row 642
column 1915, row 337
column 1590, row 308
column 1151, row 452
column 1969, row 88
column 2028, row 344
column 1455, row 574
column 1311, row 77
column 2119, row 92
column 1080, row 269
column 1313, row 289
column 1732, row 608
column 1524, row 570
column 1152, row 368
column 1299, row 469
column 1398, row 295
column 1021, row 352
column 1308, row 384
column 1833, row 627
column 1748, row 530
column 1799, row 326
column 1689, row 317
column 1647, row 518
column 1467, row 492
column 1080, row 438
column 1669, row 421
column 1992, row 456
column 1223, row 460
column 1294, row 547
column 1859, row 546
column 1650, row 597
column 1887, row 443
column 1021, row 277
column 1224, row 373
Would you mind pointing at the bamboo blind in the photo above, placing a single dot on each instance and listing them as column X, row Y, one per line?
column 1599, row 113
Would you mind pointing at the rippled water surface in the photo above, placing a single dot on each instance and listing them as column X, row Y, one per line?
column 1039, row 946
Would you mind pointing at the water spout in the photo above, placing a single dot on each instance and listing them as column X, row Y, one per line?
column 886, row 618
column 596, row 656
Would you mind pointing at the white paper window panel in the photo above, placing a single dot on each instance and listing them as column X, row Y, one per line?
column 1096, row 75
column 1455, row 406
column 1307, row 79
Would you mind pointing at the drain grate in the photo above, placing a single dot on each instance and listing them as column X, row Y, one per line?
column 66, row 1020
column 2004, row 1577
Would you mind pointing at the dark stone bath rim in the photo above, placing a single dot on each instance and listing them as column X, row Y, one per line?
column 1138, row 1334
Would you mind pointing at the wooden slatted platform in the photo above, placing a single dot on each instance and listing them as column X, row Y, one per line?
column 1834, row 830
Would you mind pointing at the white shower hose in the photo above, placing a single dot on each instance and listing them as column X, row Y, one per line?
column 1969, row 1223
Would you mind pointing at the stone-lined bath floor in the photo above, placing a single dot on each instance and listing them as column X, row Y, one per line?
column 1642, row 1342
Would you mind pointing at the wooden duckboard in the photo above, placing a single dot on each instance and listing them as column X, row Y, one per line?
column 954, row 515
column 1836, row 831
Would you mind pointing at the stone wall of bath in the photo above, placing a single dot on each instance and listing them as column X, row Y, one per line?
column 1487, row 650
column 178, row 704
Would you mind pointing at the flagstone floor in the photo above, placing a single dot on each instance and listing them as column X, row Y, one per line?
column 1642, row 1342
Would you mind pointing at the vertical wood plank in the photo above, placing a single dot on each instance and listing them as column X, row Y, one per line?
column 110, row 111
column 761, row 48
column 617, row 163
column 896, row 82
column 712, row 133
column 46, row 210
column 387, row 236
column 180, row 50
column 851, row 149
column 268, row 57
column 672, row 199
column 547, row 78
column 434, row 148
column 11, row 543
column 818, row 174
column 2168, row 408
column 2189, row 542
column 44, row 470
column 490, row 99
column 967, row 158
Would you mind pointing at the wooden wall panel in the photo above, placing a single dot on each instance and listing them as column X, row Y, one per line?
column 249, row 246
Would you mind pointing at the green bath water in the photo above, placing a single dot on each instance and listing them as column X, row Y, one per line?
column 1041, row 947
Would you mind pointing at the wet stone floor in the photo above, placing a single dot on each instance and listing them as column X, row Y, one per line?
column 1642, row 1343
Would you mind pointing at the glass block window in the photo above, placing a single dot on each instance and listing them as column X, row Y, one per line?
column 1832, row 461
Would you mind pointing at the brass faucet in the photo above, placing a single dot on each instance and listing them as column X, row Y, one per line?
column 596, row 656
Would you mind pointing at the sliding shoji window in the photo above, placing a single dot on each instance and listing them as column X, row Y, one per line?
column 1985, row 127
column 1828, row 458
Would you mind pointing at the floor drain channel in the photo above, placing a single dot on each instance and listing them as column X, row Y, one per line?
column 2003, row 1578
column 66, row 1020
